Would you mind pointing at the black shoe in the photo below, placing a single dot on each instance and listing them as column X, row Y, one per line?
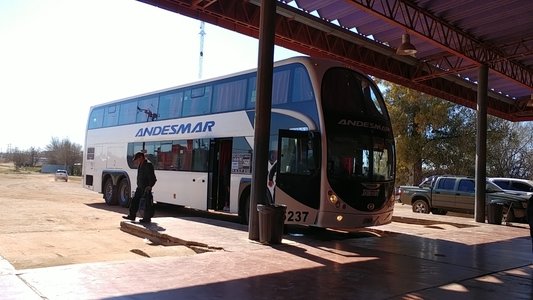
column 144, row 221
column 128, row 217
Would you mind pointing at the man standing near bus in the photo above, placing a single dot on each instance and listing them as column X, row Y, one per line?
column 145, row 181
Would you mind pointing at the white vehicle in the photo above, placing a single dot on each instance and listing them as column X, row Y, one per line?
column 330, row 134
column 61, row 175
column 514, row 185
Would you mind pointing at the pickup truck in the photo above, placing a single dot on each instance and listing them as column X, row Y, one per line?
column 440, row 194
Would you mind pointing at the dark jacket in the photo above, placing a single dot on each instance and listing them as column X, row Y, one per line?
column 145, row 175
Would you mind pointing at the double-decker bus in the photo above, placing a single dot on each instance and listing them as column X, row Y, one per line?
column 331, row 148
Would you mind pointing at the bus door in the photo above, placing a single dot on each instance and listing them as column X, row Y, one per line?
column 298, row 175
column 219, row 174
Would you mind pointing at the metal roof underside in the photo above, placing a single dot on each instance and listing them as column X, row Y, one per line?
column 453, row 39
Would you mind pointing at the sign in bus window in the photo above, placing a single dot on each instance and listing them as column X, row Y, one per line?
column 241, row 160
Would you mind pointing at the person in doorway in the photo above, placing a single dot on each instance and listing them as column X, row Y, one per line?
column 145, row 181
column 272, row 173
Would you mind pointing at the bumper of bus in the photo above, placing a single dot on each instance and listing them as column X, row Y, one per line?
column 348, row 221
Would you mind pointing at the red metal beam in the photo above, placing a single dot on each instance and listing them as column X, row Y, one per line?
column 438, row 31
column 243, row 17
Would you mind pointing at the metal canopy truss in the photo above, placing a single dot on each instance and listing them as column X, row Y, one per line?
column 463, row 45
column 452, row 38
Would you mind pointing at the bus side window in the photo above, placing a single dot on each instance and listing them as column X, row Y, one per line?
column 97, row 118
column 170, row 105
column 229, row 96
column 197, row 101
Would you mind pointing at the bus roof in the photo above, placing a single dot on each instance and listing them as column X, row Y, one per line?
column 295, row 59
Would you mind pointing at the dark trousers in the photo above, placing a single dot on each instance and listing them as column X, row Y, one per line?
column 134, row 204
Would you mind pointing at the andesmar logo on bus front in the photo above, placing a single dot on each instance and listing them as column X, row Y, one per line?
column 176, row 129
column 365, row 124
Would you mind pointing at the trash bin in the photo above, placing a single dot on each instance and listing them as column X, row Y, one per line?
column 271, row 221
column 495, row 214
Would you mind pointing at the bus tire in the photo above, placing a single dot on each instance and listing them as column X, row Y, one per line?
column 124, row 192
column 244, row 213
column 421, row 206
column 110, row 192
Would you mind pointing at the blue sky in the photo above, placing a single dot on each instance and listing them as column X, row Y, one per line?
column 59, row 57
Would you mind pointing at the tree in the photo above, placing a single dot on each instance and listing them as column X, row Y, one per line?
column 415, row 117
column 25, row 158
column 452, row 147
column 434, row 136
column 33, row 155
column 510, row 152
column 63, row 152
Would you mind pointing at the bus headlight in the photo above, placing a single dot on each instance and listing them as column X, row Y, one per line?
column 332, row 197
column 339, row 218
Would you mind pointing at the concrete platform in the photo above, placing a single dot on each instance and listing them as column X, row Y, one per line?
column 427, row 257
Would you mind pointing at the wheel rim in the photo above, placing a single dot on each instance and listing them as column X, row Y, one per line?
column 420, row 207
column 108, row 192
column 124, row 193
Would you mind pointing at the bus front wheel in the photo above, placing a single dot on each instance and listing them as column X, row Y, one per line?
column 110, row 193
column 244, row 212
column 245, row 209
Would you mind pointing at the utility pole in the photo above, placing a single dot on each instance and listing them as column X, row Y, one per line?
column 202, row 34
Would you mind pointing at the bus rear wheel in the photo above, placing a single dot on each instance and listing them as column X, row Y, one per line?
column 124, row 192
column 110, row 193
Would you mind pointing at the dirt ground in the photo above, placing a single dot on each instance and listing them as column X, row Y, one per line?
column 48, row 223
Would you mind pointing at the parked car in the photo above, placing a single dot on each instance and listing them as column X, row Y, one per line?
column 440, row 194
column 514, row 185
column 61, row 175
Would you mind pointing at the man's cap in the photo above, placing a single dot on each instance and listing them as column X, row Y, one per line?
column 138, row 155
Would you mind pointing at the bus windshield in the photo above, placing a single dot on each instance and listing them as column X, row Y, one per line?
column 348, row 92
column 363, row 158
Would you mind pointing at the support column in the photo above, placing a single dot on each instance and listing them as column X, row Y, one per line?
column 263, row 106
column 481, row 144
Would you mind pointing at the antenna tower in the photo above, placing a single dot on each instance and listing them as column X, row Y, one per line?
column 202, row 34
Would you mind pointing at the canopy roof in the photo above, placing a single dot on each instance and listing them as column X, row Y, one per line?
column 452, row 39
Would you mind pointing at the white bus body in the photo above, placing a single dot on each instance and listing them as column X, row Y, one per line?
column 330, row 134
